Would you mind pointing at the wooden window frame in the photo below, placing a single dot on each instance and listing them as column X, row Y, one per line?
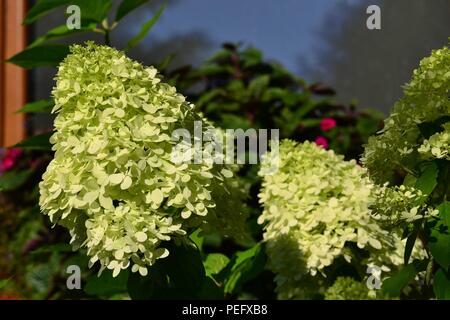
column 13, row 79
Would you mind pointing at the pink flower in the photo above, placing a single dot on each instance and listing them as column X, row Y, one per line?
column 10, row 158
column 7, row 163
column 327, row 124
column 322, row 141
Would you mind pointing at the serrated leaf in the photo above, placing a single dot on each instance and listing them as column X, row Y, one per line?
column 45, row 55
column 439, row 241
column 127, row 6
column 394, row 285
column 38, row 142
column 38, row 106
column 146, row 27
column 441, row 285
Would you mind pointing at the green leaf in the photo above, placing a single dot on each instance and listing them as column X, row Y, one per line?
column 441, row 285
column 231, row 121
column 58, row 247
column 14, row 179
column 306, row 108
column 38, row 142
column 106, row 284
column 146, row 28
column 60, row 32
column 410, row 245
column 45, row 55
column 187, row 279
column 211, row 70
column 41, row 277
column 42, row 8
column 154, row 286
column 4, row 283
column 93, row 10
column 428, row 179
column 393, row 286
column 197, row 238
column 220, row 56
column 127, row 6
column 251, row 57
column 206, row 97
column 38, row 106
column 310, row 123
column 214, row 263
column 410, row 180
column 258, row 85
column 181, row 275
column 90, row 10
column 245, row 266
column 439, row 241
column 210, row 290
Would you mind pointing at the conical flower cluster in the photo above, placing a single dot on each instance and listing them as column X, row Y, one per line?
column 112, row 181
column 317, row 211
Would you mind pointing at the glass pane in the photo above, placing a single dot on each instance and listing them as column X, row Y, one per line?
column 322, row 41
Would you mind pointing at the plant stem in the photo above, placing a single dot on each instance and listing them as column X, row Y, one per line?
column 107, row 38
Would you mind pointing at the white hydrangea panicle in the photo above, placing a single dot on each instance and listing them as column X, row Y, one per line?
column 112, row 182
column 426, row 99
column 315, row 207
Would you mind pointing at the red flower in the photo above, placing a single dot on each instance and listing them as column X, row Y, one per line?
column 327, row 124
column 322, row 141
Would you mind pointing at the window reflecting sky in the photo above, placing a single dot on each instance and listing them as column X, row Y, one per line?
column 320, row 40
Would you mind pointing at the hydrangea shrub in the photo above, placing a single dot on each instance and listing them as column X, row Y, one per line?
column 411, row 154
column 112, row 182
column 316, row 212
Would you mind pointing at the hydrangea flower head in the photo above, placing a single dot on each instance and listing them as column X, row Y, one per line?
column 112, row 182
column 425, row 100
column 346, row 288
column 316, row 211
